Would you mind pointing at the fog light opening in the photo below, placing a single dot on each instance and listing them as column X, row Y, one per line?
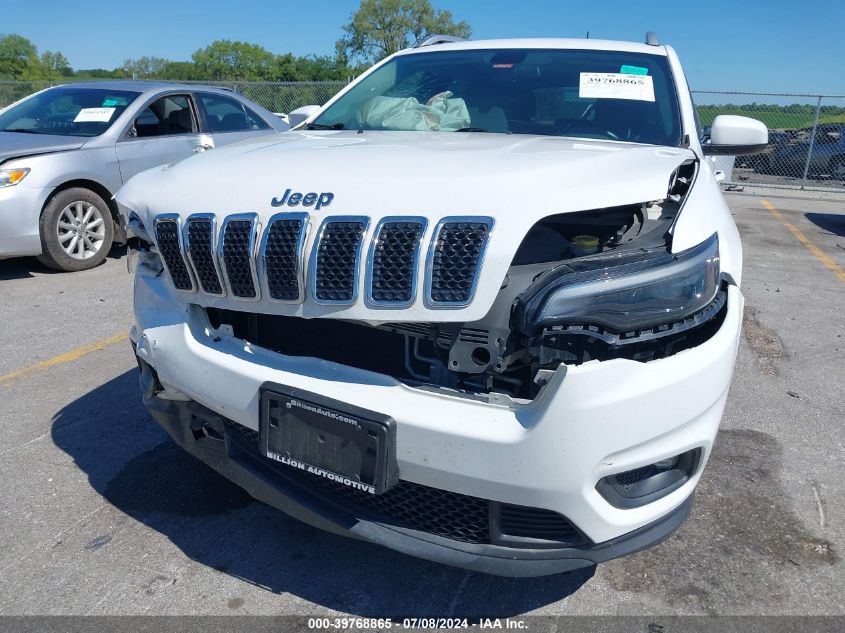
column 643, row 485
column 666, row 464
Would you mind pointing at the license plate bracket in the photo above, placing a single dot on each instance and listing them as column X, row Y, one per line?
column 328, row 438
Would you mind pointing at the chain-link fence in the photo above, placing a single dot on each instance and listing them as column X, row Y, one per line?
column 806, row 132
column 806, row 138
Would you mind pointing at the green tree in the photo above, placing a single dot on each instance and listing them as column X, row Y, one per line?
column 382, row 27
column 322, row 68
column 144, row 67
column 55, row 65
column 228, row 60
column 179, row 71
column 18, row 58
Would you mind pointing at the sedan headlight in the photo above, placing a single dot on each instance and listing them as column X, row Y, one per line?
column 632, row 296
column 11, row 177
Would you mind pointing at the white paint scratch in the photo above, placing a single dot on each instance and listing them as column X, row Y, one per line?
column 818, row 503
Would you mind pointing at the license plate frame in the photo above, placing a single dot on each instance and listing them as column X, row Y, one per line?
column 328, row 438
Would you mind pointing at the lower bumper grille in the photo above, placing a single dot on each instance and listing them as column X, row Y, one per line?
column 440, row 512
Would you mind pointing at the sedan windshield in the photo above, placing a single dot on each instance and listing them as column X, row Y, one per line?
column 67, row 111
column 611, row 95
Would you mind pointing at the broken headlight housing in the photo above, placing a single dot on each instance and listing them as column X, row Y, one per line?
column 142, row 258
column 625, row 297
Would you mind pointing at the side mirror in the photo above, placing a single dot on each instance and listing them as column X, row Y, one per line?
column 132, row 132
column 300, row 115
column 736, row 135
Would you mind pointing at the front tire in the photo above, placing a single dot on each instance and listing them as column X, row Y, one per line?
column 76, row 230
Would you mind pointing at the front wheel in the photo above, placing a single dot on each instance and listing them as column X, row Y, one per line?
column 76, row 230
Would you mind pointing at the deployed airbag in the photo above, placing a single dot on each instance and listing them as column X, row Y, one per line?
column 441, row 112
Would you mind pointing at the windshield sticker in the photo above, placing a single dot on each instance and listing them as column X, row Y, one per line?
column 94, row 115
column 113, row 102
column 616, row 86
column 625, row 70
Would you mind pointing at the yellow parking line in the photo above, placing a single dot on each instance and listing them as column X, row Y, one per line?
column 815, row 250
column 67, row 357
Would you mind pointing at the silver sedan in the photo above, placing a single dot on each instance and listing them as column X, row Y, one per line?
column 66, row 150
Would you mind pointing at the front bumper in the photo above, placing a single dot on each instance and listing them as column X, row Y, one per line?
column 20, row 209
column 229, row 454
column 593, row 420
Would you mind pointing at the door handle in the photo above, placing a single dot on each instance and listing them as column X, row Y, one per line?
column 202, row 148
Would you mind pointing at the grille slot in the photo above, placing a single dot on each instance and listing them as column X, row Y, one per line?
column 199, row 246
column 282, row 252
column 236, row 248
column 170, row 249
column 456, row 257
column 536, row 523
column 474, row 335
column 336, row 260
column 393, row 261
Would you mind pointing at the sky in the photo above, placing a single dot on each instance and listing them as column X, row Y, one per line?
column 769, row 46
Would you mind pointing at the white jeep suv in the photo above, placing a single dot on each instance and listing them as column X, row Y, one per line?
column 482, row 307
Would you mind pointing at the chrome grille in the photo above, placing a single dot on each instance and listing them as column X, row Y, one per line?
column 226, row 261
column 170, row 249
column 282, row 254
column 455, row 259
column 335, row 261
column 393, row 261
column 237, row 246
column 199, row 245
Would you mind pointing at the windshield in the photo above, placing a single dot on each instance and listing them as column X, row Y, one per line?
column 67, row 111
column 583, row 93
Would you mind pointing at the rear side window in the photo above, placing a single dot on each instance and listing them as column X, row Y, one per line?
column 223, row 114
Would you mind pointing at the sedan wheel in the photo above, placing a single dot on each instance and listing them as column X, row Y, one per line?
column 81, row 230
column 76, row 230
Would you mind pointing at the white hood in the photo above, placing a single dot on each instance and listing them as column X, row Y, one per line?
column 515, row 179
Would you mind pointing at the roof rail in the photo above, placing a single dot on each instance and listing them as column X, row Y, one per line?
column 651, row 39
column 431, row 40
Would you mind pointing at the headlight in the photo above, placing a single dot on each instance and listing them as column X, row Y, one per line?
column 631, row 296
column 10, row 177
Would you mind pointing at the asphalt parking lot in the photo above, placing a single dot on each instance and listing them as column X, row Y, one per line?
column 103, row 514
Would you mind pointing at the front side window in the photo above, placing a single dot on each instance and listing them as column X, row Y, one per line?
column 229, row 115
column 166, row 116
column 67, row 111
column 579, row 93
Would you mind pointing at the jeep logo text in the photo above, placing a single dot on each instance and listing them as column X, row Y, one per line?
column 317, row 200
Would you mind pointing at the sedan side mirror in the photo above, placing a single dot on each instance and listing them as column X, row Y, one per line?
column 736, row 135
column 300, row 115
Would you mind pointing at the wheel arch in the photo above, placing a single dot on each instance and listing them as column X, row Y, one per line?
column 100, row 190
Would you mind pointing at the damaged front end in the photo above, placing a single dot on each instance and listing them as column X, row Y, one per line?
column 583, row 286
